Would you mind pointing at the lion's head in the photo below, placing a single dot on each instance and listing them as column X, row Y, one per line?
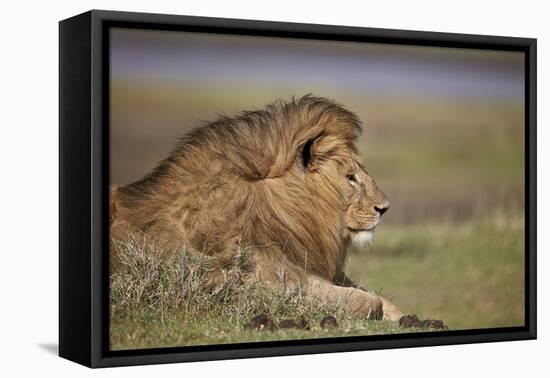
column 286, row 178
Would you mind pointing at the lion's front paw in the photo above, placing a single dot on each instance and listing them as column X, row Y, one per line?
column 366, row 305
column 391, row 311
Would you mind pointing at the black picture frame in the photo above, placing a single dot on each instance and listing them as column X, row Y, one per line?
column 84, row 182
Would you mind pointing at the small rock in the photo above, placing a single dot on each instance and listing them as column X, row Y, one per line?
column 303, row 324
column 329, row 322
column 436, row 324
column 288, row 323
column 424, row 323
column 409, row 321
column 261, row 322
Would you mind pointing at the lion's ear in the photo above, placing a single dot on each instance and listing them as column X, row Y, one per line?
column 308, row 152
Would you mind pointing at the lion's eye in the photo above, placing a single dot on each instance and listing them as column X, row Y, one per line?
column 352, row 179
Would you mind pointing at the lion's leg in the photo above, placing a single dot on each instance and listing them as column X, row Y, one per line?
column 359, row 302
column 391, row 311
column 287, row 276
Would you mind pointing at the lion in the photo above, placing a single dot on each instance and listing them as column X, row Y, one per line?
column 286, row 179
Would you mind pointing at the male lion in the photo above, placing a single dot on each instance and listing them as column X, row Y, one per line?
column 286, row 180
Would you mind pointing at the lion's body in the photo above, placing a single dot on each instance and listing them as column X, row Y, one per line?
column 273, row 179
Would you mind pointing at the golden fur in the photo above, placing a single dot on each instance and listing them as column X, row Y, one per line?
column 285, row 179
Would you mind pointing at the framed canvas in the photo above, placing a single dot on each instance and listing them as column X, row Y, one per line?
column 221, row 182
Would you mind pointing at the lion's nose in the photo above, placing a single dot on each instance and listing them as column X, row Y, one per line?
column 382, row 208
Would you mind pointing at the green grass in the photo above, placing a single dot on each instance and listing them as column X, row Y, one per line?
column 471, row 275
column 152, row 332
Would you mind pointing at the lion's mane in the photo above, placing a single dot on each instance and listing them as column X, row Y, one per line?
column 266, row 178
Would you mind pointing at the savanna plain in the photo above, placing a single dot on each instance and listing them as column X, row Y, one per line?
column 451, row 246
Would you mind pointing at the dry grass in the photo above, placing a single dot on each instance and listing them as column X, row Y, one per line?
column 159, row 299
column 149, row 279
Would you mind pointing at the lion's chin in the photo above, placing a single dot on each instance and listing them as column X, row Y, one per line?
column 360, row 240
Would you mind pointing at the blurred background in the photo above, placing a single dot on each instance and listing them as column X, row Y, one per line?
column 443, row 137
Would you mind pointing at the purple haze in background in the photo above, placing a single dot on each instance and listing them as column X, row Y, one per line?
column 244, row 61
